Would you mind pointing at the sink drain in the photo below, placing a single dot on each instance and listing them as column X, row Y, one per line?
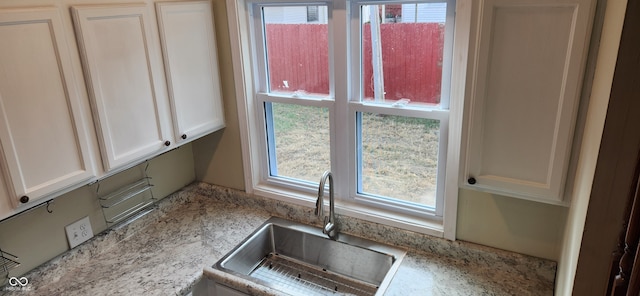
column 288, row 275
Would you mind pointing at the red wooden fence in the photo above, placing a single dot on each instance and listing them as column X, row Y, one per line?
column 298, row 57
column 412, row 59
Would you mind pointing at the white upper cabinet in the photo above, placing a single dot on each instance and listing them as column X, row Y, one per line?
column 191, row 65
column 526, row 81
column 125, row 81
column 43, row 141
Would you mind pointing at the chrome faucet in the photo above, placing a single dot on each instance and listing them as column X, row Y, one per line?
column 330, row 225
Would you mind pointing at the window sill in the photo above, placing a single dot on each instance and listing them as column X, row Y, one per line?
column 433, row 227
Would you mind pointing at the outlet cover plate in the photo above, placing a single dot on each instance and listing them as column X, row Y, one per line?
column 78, row 232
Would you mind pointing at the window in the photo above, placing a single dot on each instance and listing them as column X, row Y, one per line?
column 399, row 140
column 312, row 14
column 358, row 88
column 295, row 73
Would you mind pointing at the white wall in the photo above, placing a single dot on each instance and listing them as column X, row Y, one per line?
column 292, row 15
column 426, row 12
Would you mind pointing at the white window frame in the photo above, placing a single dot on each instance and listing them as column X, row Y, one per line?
column 440, row 112
column 248, row 85
column 263, row 96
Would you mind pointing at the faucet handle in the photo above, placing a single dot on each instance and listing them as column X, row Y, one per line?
column 326, row 225
column 330, row 229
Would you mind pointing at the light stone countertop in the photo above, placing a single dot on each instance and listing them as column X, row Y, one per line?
column 164, row 253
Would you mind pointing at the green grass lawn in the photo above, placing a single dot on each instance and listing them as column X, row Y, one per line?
column 399, row 154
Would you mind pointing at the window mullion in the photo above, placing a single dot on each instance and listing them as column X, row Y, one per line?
column 340, row 125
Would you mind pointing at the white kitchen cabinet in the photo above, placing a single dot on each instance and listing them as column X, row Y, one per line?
column 526, row 81
column 6, row 207
column 191, row 65
column 123, row 70
column 44, row 143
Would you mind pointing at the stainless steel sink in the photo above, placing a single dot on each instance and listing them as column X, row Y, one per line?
column 298, row 259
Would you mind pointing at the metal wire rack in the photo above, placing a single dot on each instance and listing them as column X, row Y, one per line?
column 298, row 279
column 7, row 262
column 126, row 201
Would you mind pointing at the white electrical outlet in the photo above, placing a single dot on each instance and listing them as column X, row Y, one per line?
column 79, row 232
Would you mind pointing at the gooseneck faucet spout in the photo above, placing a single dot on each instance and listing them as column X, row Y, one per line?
column 330, row 225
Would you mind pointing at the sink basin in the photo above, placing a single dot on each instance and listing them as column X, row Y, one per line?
column 299, row 259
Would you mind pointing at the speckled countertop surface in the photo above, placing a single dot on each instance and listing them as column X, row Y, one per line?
column 164, row 253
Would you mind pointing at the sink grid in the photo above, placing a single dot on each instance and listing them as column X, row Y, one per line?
column 294, row 277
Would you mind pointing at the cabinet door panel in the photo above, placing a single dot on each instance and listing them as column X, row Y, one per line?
column 191, row 66
column 42, row 135
column 43, row 141
column 121, row 67
column 527, row 84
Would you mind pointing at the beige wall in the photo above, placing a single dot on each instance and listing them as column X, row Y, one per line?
column 512, row 224
column 37, row 236
column 218, row 157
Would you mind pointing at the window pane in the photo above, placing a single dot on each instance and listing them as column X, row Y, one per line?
column 297, row 49
column 299, row 141
column 402, row 52
column 399, row 157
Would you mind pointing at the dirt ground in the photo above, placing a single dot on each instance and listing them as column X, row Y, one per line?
column 399, row 154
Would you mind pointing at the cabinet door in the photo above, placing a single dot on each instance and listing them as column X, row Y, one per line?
column 191, row 67
column 124, row 77
column 42, row 133
column 530, row 59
